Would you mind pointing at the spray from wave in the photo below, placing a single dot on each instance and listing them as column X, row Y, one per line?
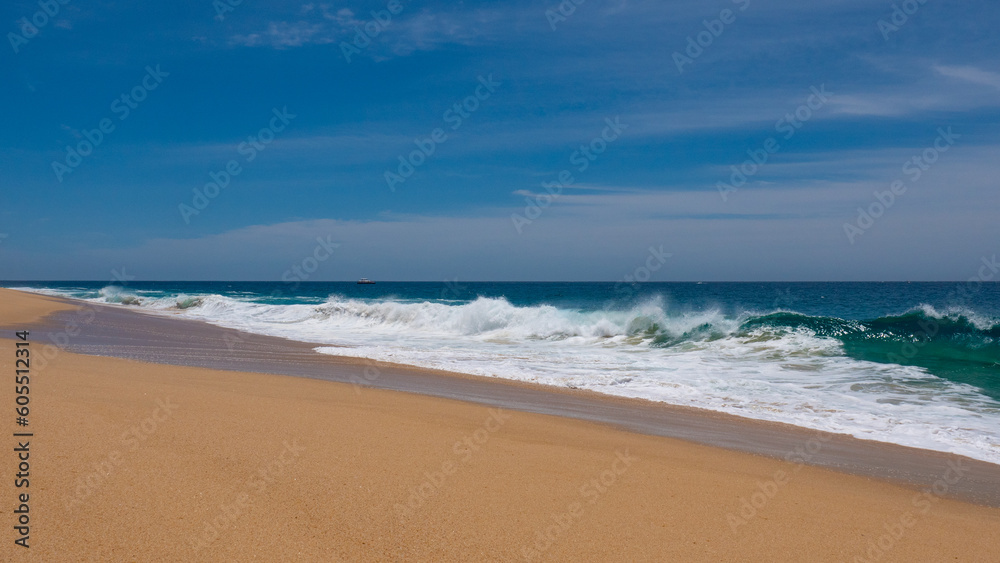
column 116, row 294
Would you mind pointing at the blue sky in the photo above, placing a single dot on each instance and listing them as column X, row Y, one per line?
column 653, row 181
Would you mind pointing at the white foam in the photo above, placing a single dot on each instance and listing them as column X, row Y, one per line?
column 789, row 376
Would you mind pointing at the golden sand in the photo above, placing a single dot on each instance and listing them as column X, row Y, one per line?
column 141, row 462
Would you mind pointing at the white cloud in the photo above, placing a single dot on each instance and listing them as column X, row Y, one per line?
column 405, row 33
column 970, row 74
column 281, row 35
column 788, row 229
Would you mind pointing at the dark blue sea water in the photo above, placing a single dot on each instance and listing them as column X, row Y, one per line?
column 911, row 363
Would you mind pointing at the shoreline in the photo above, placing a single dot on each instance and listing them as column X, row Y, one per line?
column 134, row 460
column 174, row 340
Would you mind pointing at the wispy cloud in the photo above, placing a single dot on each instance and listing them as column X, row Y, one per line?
column 918, row 89
column 282, row 35
column 405, row 33
column 970, row 74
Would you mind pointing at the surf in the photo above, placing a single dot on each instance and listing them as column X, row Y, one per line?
column 922, row 377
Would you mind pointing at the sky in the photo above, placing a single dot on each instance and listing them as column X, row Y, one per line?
column 749, row 140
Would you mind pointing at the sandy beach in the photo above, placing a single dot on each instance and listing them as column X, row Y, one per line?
column 142, row 461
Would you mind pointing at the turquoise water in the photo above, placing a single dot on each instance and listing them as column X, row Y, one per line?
column 911, row 363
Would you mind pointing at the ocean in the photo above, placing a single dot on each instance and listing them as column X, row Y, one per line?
column 916, row 364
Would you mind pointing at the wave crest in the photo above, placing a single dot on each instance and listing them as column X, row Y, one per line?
column 118, row 294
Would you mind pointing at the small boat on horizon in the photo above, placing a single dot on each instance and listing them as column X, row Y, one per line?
column 365, row 281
